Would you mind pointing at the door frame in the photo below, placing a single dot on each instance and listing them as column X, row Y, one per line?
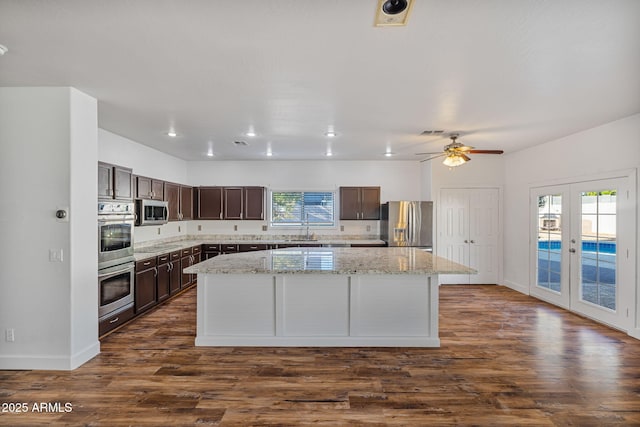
column 629, row 274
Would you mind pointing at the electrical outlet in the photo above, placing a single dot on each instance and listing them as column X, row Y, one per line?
column 56, row 255
column 342, row 228
column 199, row 228
column 179, row 229
column 158, row 231
column 368, row 228
column 264, row 228
column 235, row 228
column 10, row 335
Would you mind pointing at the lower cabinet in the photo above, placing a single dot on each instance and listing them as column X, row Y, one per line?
column 115, row 320
column 175, row 273
column 145, row 295
column 163, row 280
column 190, row 257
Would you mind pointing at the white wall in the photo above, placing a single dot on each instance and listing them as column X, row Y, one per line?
column 143, row 160
column 48, row 161
column 609, row 148
column 399, row 180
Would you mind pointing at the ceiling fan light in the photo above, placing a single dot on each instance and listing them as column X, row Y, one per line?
column 453, row 160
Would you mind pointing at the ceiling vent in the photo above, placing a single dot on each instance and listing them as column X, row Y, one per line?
column 240, row 143
column 432, row 132
column 392, row 13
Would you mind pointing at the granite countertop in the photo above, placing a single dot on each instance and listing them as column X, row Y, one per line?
column 349, row 261
column 166, row 247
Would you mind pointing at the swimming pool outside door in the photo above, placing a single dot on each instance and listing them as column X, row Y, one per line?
column 580, row 261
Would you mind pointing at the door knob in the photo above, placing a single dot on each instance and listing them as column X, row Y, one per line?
column 472, row 241
column 466, row 241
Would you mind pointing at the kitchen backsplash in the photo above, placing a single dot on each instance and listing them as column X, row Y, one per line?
column 240, row 229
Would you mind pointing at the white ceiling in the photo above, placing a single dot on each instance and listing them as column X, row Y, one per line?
column 505, row 74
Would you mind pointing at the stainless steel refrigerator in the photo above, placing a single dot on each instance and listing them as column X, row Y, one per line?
column 407, row 223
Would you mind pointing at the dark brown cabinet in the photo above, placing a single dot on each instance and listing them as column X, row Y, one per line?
column 180, row 200
column 186, row 202
column 254, row 203
column 252, row 247
column 175, row 274
column 145, row 295
column 210, row 250
column 228, row 248
column 233, row 202
column 163, row 280
column 208, row 201
column 359, row 203
column 114, row 182
column 149, row 188
column 241, row 203
column 190, row 256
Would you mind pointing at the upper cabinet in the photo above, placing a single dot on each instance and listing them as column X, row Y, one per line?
column 359, row 203
column 233, row 202
column 180, row 200
column 254, row 203
column 148, row 188
column 240, row 203
column 114, row 182
column 208, row 202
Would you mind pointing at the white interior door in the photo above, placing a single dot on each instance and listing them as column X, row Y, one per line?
column 582, row 259
column 468, row 233
column 484, row 233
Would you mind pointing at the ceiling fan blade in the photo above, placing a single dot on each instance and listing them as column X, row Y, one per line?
column 485, row 151
column 428, row 154
column 434, row 157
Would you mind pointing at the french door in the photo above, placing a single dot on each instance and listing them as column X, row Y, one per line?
column 582, row 247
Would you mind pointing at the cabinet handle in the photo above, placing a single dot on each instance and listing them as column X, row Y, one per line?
column 155, row 271
column 471, row 241
column 147, row 263
column 114, row 320
column 466, row 241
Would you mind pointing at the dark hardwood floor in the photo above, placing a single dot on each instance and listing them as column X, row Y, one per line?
column 506, row 359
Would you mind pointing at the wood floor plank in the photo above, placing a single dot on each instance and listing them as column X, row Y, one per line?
column 506, row 359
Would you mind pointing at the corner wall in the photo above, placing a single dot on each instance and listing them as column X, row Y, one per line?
column 47, row 138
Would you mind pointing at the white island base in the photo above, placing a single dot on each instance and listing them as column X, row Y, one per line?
column 377, row 310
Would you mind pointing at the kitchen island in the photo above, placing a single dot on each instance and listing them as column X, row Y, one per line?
column 321, row 297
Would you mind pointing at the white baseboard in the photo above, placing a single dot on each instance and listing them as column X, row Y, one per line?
column 516, row 287
column 49, row 362
column 83, row 356
column 634, row 333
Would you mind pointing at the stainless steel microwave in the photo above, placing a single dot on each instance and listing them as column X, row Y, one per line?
column 151, row 212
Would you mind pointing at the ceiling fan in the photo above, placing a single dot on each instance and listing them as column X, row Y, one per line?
column 456, row 152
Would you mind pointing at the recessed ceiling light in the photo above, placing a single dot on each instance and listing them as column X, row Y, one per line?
column 3, row 50
column 328, row 154
column 210, row 153
column 250, row 133
column 388, row 154
column 269, row 153
column 330, row 134
column 172, row 133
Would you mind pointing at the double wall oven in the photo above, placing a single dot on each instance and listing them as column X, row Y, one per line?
column 116, row 266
